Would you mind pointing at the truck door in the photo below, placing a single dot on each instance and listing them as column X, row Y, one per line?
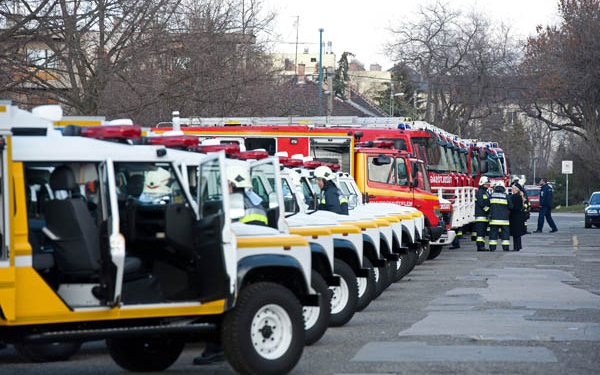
column 212, row 238
column 266, row 181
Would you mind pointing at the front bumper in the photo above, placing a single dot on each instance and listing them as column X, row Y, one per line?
column 445, row 238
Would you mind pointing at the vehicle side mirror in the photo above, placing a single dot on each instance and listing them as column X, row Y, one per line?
column 414, row 172
column 483, row 154
column 352, row 201
column 273, row 201
column 483, row 166
column 586, row 203
column 236, row 206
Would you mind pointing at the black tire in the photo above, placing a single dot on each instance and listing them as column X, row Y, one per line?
column 383, row 281
column 588, row 223
column 370, row 289
column 434, row 251
column 145, row 354
column 269, row 303
column 318, row 327
column 424, row 255
column 404, row 260
column 345, row 311
column 412, row 257
column 48, row 352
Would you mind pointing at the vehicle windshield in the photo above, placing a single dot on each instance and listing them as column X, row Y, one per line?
column 595, row 199
column 463, row 162
column 532, row 192
column 450, row 157
column 494, row 167
column 436, row 156
column 422, row 174
column 309, row 199
column 474, row 162
column 153, row 183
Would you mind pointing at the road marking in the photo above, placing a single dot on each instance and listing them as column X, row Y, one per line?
column 575, row 242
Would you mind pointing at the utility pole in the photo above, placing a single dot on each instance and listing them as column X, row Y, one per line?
column 391, row 97
column 321, row 71
column 415, row 105
column 296, row 58
column 330, row 89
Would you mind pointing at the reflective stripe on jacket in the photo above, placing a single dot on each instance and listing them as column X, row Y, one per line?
column 499, row 207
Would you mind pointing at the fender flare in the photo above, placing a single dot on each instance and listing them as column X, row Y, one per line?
column 262, row 264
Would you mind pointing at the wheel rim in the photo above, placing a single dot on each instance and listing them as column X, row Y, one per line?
column 420, row 252
column 311, row 316
column 271, row 331
column 398, row 264
column 362, row 285
column 339, row 298
column 376, row 272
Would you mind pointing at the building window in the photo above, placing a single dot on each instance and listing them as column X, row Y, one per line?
column 512, row 117
column 289, row 65
column 43, row 58
column 313, row 59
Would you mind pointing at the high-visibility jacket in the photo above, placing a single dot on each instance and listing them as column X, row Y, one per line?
column 254, row 212
column 482, row 204
column 333, row 200
column 500, row 206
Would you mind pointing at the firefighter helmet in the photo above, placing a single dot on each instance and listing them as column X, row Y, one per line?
column 483, row 181
column 239, row 177
column 499, row 183
column 325, row 173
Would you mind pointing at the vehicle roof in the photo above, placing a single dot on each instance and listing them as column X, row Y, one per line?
column 59, row 148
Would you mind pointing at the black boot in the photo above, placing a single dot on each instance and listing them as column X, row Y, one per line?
column 212, row 353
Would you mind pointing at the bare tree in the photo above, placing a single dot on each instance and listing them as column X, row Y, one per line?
column 461, row 57
column 562, row 76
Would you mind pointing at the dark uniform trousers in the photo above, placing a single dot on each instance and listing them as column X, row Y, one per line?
column 504, row 230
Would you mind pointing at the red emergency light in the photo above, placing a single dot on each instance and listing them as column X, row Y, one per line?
column 288, row 162
column 334, row 167
column 230, row 149
column 246, row 155
column 112, row 132
column 174, row 141
column 378, row 144
column 312, row 164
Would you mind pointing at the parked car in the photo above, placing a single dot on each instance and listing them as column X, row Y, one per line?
column 592, row 210
column 533, row 194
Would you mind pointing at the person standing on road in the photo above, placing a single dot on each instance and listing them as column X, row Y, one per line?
column 500, row 207
column 517, row 217
column 526, row 205
column 482, row 207
column 545, row 207
column 332, row 198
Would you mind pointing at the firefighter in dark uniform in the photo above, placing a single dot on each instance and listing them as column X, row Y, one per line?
column 482, row 207
column 545, row 207
column 332, row 198
column 500, row 207
column 240, row 182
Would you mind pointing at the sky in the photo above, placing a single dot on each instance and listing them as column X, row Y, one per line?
column 361, row 27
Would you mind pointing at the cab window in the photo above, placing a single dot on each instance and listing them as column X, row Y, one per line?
column 402, row 172
column 209, row 188
column 474, row 162
column 148, row 183
column 381, row 173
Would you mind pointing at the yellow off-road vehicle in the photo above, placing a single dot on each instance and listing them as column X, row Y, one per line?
column 102, row 240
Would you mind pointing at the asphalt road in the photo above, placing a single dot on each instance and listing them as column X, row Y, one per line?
column 531, row 312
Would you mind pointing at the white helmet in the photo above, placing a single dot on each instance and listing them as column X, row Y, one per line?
column 499, row 183
column 325, row 173
column 295, row 177
column 483, row 180
column 239, row 176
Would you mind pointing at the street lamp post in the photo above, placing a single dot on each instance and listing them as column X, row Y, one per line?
column 321, row 71
column 392, row 96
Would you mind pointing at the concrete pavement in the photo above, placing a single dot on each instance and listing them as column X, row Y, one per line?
column 531, row 312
